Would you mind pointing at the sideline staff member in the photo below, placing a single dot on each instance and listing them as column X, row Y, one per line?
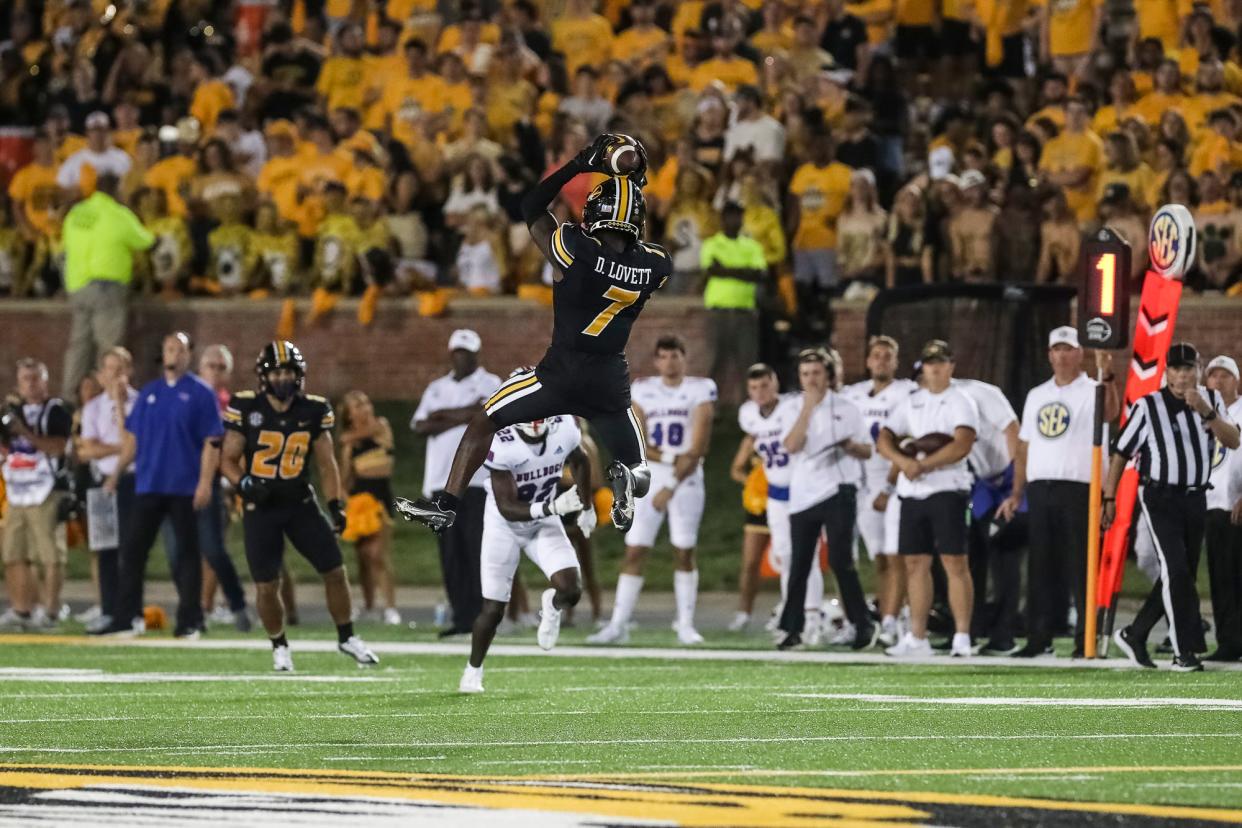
column 173, row 436
column 1052, row 467
column 447, row 405
column 1224, row 521
column 1173, row 433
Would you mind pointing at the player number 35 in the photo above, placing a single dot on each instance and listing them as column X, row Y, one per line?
column 281, row 455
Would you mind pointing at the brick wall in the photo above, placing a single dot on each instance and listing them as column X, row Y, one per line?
column 401, row 352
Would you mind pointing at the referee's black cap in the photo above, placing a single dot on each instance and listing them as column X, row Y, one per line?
column 1183, row 354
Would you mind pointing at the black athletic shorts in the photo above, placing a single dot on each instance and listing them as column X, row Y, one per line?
column 934, row 525
column 1013, row 58
column 913, row 42
column 755, row 523
column 955, row 39
column 306, row 527
column 594, row 386
column 378, row 487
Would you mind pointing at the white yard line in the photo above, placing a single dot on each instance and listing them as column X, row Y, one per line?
column 621, row 742
column 1009, row 701
column 629, row 653
column 229, row 717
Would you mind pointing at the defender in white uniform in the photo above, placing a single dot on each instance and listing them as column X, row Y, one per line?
column 677, row 414
column 523, row 513
column 765, row 420
column 879, row 509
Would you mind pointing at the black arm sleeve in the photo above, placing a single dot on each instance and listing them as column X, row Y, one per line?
column 536, row 202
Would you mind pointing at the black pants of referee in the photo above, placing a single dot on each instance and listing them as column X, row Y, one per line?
column 1224, row 559
column 149, row 511
column 836, row 517
column 1057, row 512
column 461, row 550
column 1177, row 519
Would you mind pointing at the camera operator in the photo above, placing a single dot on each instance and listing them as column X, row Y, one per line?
column 34, row 431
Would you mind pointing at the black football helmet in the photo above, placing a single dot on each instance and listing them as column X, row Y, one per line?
column 281, row 353
column 616, row 204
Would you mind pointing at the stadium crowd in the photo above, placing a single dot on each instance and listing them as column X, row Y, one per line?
column 282, row 148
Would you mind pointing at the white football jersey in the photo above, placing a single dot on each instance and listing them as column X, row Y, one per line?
column 924, row 413
column 537, row 467
column 876, row 409
column 769, row 434
column 990, row 454
column 669, row 409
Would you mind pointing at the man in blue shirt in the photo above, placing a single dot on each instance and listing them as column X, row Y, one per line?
column 173, row 436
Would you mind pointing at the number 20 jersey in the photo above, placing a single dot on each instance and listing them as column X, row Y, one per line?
column 278, row 442
column 603, row 290
column 536, row 467
column 769, row 435
column 669, row 410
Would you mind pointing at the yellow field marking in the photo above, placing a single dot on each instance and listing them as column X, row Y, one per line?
column 921, row 772
column 698, row 805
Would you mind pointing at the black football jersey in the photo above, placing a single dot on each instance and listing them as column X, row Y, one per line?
column 278, row 443
column 594, row 306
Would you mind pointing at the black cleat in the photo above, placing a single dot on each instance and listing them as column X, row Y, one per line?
column 427, row 512
column 792, row 641
column 1134, row 649
column 621, row 481
column 999, row 648
column 1035, row 648
column 1188, row 663
column 866, row 637
column 1224, row 654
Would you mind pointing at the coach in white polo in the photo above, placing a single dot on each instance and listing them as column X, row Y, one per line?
column 447, row 405
column 935, row 494
column 1052, row 468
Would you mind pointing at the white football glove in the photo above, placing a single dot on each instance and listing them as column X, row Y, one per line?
column 587, row 520
column 567, row 502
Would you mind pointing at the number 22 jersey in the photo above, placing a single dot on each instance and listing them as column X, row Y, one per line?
column 769, row 435
column 536, row 467
column 603, row 290
column 278, row 442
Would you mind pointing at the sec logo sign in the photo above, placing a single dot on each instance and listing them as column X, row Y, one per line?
column 1171, row 241
column 1054, row 420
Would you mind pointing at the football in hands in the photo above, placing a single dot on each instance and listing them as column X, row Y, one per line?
column 920, row 447
column 622, row 156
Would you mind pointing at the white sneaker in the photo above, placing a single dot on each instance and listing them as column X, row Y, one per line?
column 282, row 659
column 740, row 622
column 688, row 635
column 88, row 615
column 844, row 636
column 961, row 646
column 471, row 680
column 356, row 648
column 40, row 620
column 910, row 647
column 12, row 621
column 888, row 632
column 391, row 617
column 527, row 620
column 813, row 629
column 610, row 634
column 549, row 621
column 66, row 612
column 99, row 624
column 221, row 615
column 775, row 620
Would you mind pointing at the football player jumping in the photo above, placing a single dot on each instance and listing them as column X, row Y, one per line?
column 603, row 276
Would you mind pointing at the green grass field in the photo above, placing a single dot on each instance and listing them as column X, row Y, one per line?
column 1151, row 739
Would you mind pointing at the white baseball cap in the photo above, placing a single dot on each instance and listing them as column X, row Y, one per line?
column 98, row 120
column 939, row 163
column 973, row 178
column 1064, row 335
column 1226, row 362
column 466, row 340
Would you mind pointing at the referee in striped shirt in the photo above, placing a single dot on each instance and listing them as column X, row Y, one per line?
column 1172, row 433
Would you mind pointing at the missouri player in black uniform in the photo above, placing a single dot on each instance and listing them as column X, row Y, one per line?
column 268, row 438
column 604, row 275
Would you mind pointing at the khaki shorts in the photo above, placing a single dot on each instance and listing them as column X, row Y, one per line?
column 33, row 535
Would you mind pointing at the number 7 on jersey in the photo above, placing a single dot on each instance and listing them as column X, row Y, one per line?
column 621, row 299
